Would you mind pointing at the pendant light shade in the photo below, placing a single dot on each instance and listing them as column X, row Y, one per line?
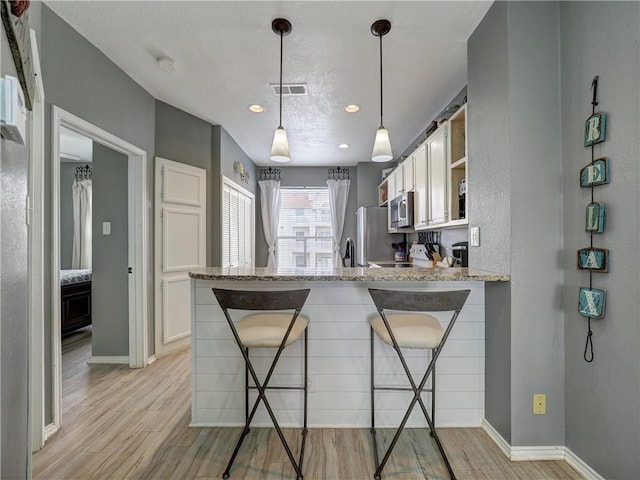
column 381, row 146
column 280, row 147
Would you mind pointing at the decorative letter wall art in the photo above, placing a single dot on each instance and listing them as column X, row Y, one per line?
column 595, row 129
column 591, row 301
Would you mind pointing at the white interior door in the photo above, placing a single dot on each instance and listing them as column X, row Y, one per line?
column 180, row 246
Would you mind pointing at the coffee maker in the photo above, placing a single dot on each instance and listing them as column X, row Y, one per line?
column 460, row 252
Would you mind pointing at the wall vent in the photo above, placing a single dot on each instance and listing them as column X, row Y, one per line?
column 290, row 89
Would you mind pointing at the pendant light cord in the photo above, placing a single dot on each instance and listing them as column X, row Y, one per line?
column 281, row 46
column 381, row 122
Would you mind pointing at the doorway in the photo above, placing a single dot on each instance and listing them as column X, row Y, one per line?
column 137, row 248
column 76, row 247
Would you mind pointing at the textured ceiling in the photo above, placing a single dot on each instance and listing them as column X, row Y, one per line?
column 226, row 57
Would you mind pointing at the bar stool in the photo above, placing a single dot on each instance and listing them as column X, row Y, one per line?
column 412, row 330
column 268, row 329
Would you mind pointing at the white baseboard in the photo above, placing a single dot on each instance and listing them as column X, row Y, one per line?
column 500, row 442
column 109, row 360
column 50, row 430
column 151, row 359
column 579, row 466
column 528, row 454
column 520, row 454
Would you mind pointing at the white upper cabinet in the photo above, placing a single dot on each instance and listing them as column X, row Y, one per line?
column 408, row 173
column 437, row 173
column 421, row 191
column 398, row 182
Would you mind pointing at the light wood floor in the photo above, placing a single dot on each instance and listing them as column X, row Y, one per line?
column 121, row 423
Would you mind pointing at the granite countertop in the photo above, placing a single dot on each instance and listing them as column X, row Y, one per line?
column 348, row 274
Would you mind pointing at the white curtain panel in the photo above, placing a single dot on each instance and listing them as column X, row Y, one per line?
column 270, row 208
column 338, row 196
column 81, row 256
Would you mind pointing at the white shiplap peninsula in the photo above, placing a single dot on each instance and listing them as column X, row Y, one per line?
column 338, row 307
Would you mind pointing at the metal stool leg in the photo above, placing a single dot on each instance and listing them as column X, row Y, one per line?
column 433, row 395
column 373, row 409
column 246, row 389
column 306, row 385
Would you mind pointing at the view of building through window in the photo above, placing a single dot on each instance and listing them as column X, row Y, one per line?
column 304, row 230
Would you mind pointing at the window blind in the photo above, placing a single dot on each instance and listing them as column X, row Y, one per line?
column 237, row 228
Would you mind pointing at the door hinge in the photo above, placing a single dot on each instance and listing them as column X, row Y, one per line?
column 130, row 270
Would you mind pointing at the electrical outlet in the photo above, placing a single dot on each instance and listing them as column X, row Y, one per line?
column 539, row 404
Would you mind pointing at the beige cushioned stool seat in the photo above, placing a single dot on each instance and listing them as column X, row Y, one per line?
column 412, row 330
column 268, row 329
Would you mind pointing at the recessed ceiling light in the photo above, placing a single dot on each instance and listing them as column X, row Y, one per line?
column 166, row 64
column 255, row 108
column 353, row 108
column 344, row 145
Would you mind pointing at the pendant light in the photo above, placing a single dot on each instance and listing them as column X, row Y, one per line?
column 280, row 147
column 382, row 146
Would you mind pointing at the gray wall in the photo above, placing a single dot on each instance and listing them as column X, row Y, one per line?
column 526, row 177
column 67, row 175
column 488, row 199
column 368, row 177
column 515, row 191
column 110, row 282
column 497, row 351
column 489, row 144
column 15, row 430
column 80, row 79
column 231, row 152
column 603, row 397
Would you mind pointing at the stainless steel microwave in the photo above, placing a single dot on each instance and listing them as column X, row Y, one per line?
column 402, row 211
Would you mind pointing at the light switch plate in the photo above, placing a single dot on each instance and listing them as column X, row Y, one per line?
column 474, row 233
column 106, row 228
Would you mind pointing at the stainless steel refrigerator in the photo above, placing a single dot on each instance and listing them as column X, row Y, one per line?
column 373, row 240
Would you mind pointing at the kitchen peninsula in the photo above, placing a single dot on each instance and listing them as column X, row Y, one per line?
column 338, row 307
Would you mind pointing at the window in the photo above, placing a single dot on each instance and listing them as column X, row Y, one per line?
column 237, row 226
column 304, row 231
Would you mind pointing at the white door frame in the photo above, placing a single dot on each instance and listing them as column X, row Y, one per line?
column 36, row 254
column 138, row 244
